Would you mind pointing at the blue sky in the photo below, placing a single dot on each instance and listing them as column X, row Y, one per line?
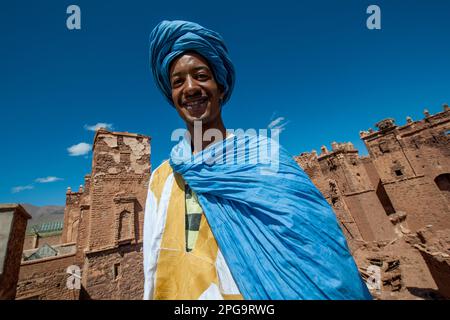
column 312, row 62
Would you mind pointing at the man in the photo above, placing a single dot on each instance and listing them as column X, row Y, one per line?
column 235, row 229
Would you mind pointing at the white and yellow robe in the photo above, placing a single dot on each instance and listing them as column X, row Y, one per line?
column 171, row 272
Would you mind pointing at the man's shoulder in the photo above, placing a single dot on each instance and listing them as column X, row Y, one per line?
column 163, row 170
column 159, row 178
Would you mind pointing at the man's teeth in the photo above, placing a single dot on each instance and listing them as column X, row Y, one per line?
column 194, row 104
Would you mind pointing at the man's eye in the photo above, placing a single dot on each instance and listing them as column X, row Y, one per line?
column 176, row 82
column 202, row 76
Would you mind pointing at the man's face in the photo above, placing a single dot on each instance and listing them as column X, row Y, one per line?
column 195, row 92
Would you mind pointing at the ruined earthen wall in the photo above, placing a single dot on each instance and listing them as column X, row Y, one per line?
column 46, row 279
column 410, row 196
column 330, row 189
column 84, row 221
column 342, row 178
column 115, row 274
column 112, row 229
column 105, row 223
column 83, row 233
column 408, row 159
column 119, row 183
column 71, row 216
column 29, row 242
column 370, row 196
column 10, row 275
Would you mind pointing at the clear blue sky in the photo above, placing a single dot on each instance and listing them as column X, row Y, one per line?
column 312, row 62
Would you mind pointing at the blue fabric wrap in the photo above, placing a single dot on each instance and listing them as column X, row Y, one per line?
column 278, row 234
column 169, row 39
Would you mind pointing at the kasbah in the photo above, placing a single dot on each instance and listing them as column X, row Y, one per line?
column 393, row 206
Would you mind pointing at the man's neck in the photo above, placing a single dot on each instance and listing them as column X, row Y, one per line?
column 205, row 134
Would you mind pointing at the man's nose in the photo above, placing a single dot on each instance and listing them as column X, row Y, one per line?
column 191, row 88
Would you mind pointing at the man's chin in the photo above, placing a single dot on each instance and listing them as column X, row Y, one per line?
column 197, row 117
column 198, row 113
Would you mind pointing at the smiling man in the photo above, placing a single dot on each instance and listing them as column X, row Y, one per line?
column 230, row 230
column 196, row 94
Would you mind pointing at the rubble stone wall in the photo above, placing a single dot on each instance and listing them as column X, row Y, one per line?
column 14, row 223
column 46, row 279
column 115, row 274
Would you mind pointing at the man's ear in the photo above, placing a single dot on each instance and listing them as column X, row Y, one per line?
column 222, row 91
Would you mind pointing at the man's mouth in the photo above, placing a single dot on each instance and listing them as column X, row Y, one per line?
column 197, row 106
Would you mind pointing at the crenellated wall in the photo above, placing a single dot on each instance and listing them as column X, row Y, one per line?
column 13, row 223
column 112, row 224
column 403, row 185
column 413, row 163
column 103, row 223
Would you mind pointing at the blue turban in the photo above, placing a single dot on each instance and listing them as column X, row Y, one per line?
column 169, row 39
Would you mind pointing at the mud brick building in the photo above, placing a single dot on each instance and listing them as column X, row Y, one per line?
column 41, row 234
column 13, row 222
column 402, row 186
column 412, row 163
column 102, row 233
column 385, row 203
column 341, row 176
column 387, row 200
